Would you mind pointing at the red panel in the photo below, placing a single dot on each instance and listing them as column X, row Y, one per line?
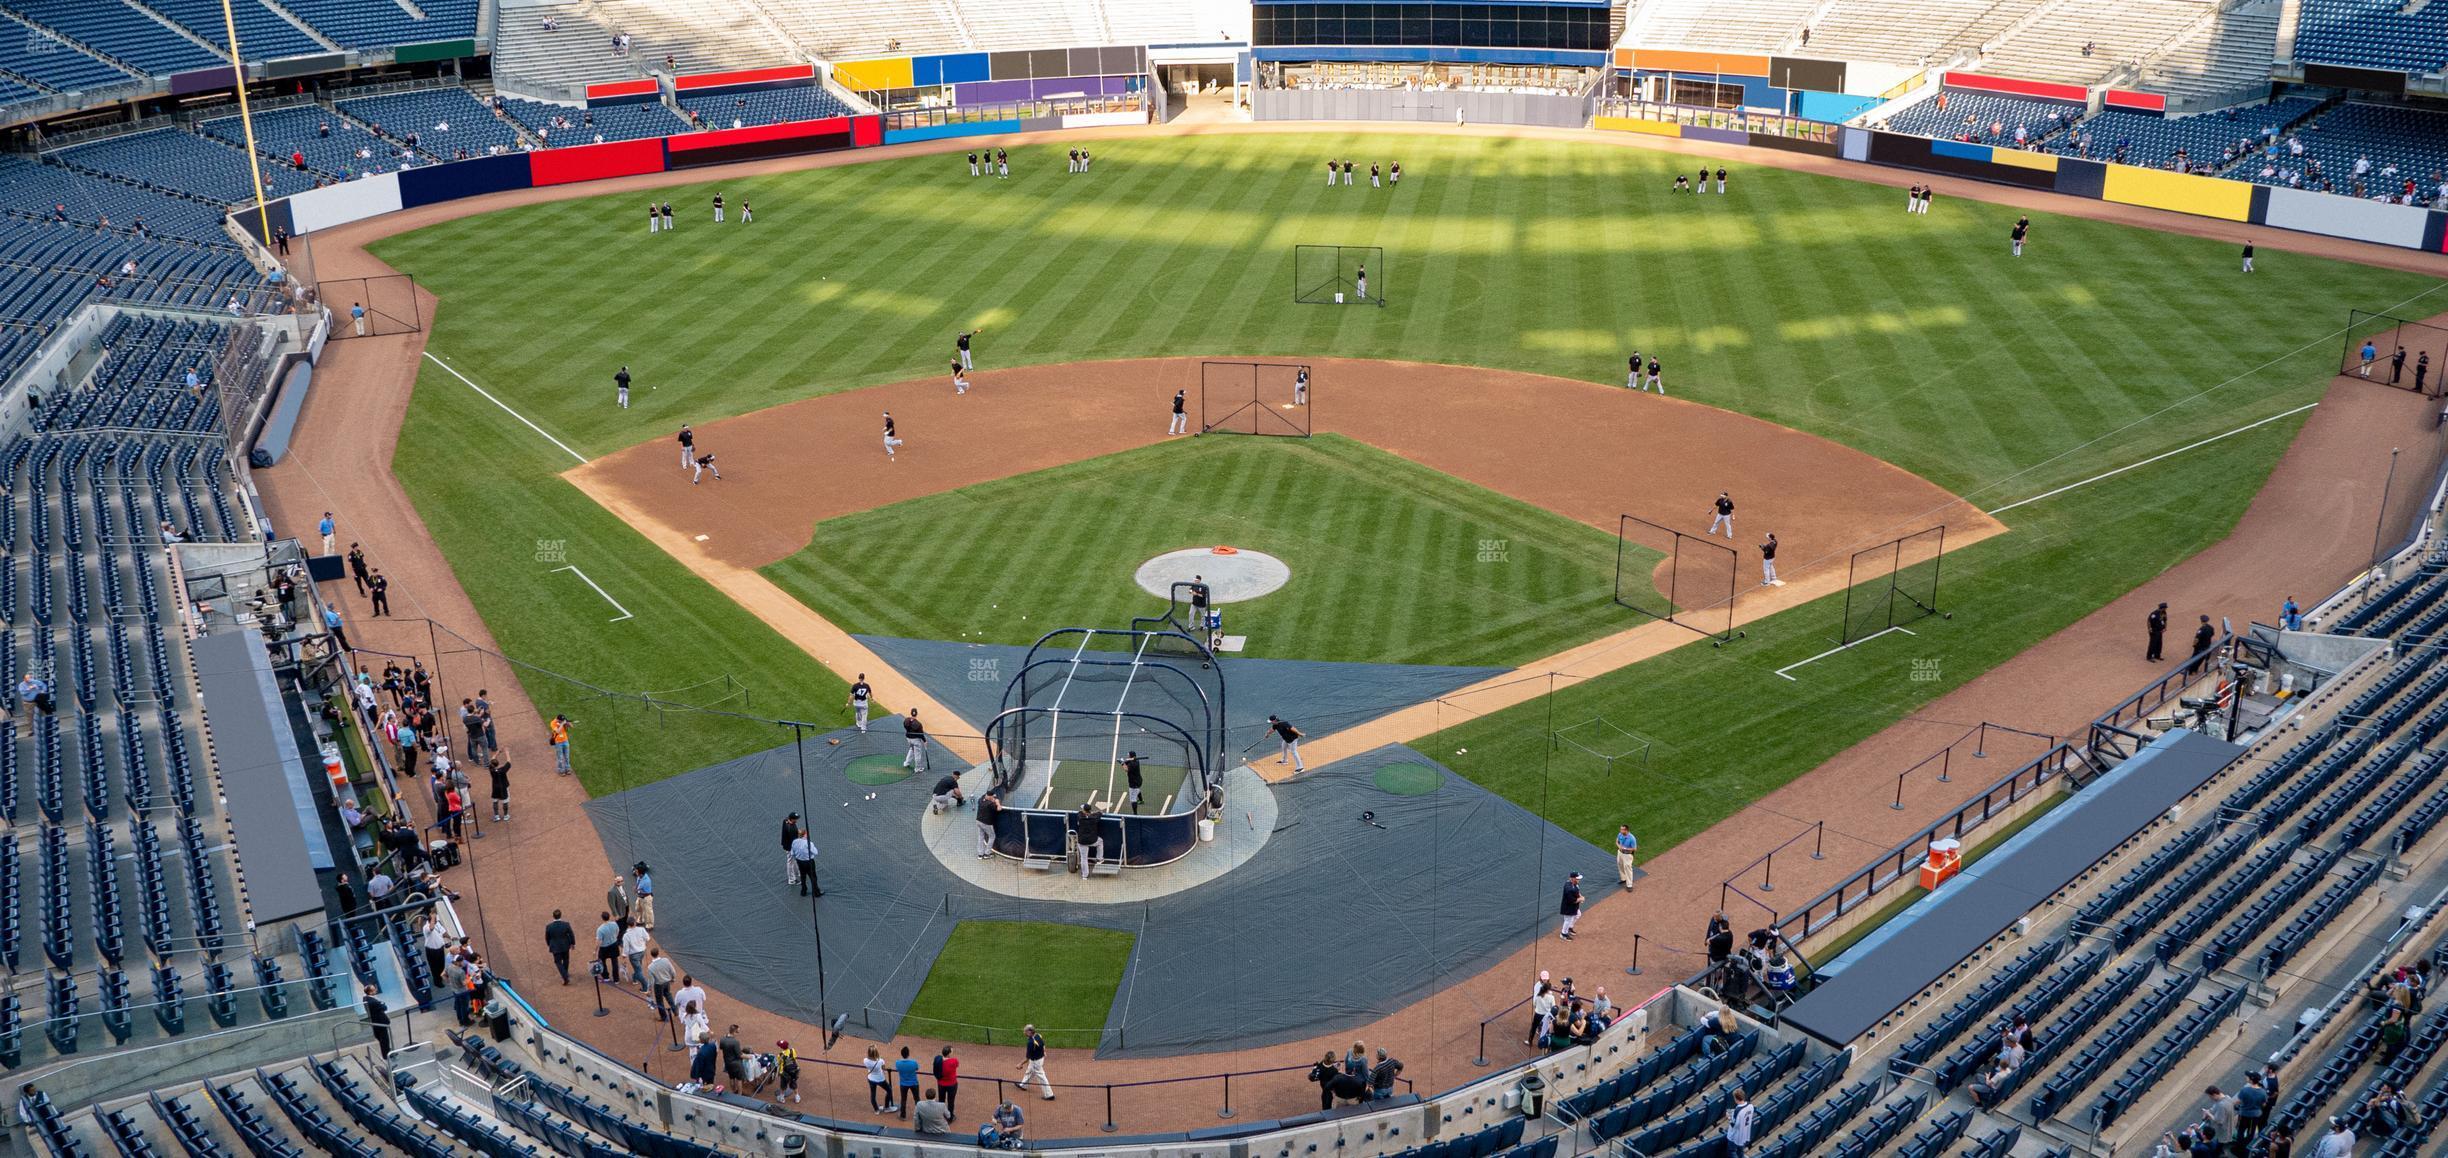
column 866, row 132
column 744, row 76
column 721, row 137
column 2122, row 98
column 2013, row 87
column 620, row 88
column 591, row 162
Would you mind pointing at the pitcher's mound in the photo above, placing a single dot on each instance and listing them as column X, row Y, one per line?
column 1230, row 573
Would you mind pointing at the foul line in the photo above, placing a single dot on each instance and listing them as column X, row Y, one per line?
column 1841, row 647
column 607, row 597
column 2154, row 458
column 512, row 413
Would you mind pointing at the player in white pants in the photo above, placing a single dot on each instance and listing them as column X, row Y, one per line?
column 1725, row 515
column 889, row 441
column 1181, row 420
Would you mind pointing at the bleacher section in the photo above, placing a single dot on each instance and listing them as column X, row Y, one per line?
column 567, row 58
column 445, row 119
column 2209, row 142
column 119, row 32
column 262, row 33
column 2118, row 32
column 332, row 145
column 699, row 35
column 555, row 124
column 1985, row 118
column 181, row 163
column 53, row 63
column 2373, row 34
column 1731, row 25
column 378, row 23
column 1915, row 32
column 2401, row 143
column 2225, row 58
column 765, row 106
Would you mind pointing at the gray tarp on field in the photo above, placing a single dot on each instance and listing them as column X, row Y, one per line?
column 1333, row 923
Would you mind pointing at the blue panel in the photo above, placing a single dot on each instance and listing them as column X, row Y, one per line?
column 926, row 71
column 960, row 68
column 939, row 132
column 463, row 179
column 1372, row 53
column 1832, row 107
column 1959, row 149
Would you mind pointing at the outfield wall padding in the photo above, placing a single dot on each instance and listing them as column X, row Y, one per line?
column 2080, row 178
column 1832, row 107
column 1793, row 144
column 949, row 68
column 1638, row 125
column 1093, row 120
column 760, row 141
column 2181, row 192
column 2435, row 232
column 1956, row 157
column 1853, row 144
column 593, row 162
column 2353, row 217
column 470, row 178
column 1721, row 136
column 345, row 202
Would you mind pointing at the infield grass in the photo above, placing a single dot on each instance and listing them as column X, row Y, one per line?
column 995, row 976
column 1386, row 555
column 1802, row 299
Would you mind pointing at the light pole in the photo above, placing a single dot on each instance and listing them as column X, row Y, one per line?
column 799, row 731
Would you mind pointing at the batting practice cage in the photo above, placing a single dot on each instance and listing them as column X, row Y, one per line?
column 1338, row 275
column 1084, row 703
column 389, row 301
column 1892, row 584
column 1256, row 398
column 2388, row 335
column 1683, row 579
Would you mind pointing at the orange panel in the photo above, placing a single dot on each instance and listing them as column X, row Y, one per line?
column 1670, row 60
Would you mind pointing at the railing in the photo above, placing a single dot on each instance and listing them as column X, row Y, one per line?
column 1011, row 111
column 1899, row 862
column 1737, row 120
column 2118, row 724
column 51, row 141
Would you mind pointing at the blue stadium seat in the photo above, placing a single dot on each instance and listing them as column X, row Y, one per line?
column 771, row 106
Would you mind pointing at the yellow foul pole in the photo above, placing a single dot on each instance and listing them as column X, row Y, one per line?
column 263, row 218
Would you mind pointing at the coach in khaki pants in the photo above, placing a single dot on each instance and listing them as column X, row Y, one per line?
column 1627, row 852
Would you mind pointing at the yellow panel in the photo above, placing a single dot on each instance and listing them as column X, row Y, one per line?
column 1672, row 60
column 1636, row 125
column 2181, row 192
column 2045, row 162
column 877, row 75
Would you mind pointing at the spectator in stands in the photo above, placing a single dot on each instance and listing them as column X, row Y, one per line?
column 2339, row 1142
column 1008, row 1126
column 2251, row 1107
column 1740, row 1120
column 1383, row 1075
column 2386, row 1112
column 35, row 690
column 1990, row 1086
column 932, row 1117
column 1719, row 1027
column 2392, row 1034
column 2218, row 1115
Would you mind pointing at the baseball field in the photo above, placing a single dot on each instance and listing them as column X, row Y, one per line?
column 1796, row 306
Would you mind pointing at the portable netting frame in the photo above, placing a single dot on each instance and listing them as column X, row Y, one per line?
column 1329, row 274
column 1701, row 575
column 1892, row 584
column 1177, row 630
column 1074, row 700
column 1255, row 398
column 2387, row 333
column 1602, row 740
column 390, row 304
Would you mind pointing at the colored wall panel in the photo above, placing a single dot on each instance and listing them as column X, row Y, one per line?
column 1365, row 54
column 1854, row 144
column 965, row 66
column 867, row 131
column 623, row 88
column 1792, row 144
column 1722, row 136
column 302, row 65
column 1048, row 62
column 2122, row 98
column 759, row 147
column 1637, row 125
column 1968, row 152
column 2080, row 178
column 874, row 75
column 2360, row 79
column 940, row 132
column 2435, row 232
column 2182, row 192
column 2024, row 88
column 745, row 76
column 1007, row 66
column 987, row 92
column 202, row 79
column 1832, row 107
column 590, row 162
column 271, row 220
column 2025, row 159
column 345, row 202
column 467, row 178
column 2354, row 217
column 436, row 50
column 1092, row 120
column 1671, row 60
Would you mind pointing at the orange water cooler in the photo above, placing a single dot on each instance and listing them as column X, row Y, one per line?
column 1945, row 860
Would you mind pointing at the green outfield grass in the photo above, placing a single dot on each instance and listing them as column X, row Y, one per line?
column 1384, row 555
column 995, row 976
column 1802, row 299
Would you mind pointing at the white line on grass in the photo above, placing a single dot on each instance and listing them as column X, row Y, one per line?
column 506, row 410
column 607, row 597
column 1842, row 647
column 2154, row 458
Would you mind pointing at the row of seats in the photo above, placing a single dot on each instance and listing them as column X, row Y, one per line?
column 1972, row 1007
column 1651, row 1104
column 2264, row 909
column 1710, row 1110
column 1963, row 115
column 771, row 106
column 447, row 121
column 2382, row 34
column 2194, row 926
column 1965, row 1062
column 2103, row 1050
column 2429, row 575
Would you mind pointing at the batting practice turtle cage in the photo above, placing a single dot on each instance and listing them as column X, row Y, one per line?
column 1691, row 584
column 1339, row 275
column 1891, row 585
column 1275, row 398
column 1086, row 701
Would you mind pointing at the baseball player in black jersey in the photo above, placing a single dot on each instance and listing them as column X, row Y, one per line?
column 1721, row 178
column 961, row 344
column 688, row 447
column 621, row 380
column 861, row 695
column 1657, row 381
column 705, row 466
column 1725, row 515
column 1181, row 421
column 973, row 163
column 889, row 440
column 718, row 209
column 1768, row 550
column 1632, row 379
column 2022, row 229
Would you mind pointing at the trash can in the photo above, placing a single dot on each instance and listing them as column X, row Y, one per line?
column 500, row 1012
column 1206, row 827
column 1533, row 1095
